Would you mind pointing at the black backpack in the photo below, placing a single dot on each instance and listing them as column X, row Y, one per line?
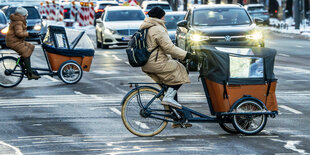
column 137, row 49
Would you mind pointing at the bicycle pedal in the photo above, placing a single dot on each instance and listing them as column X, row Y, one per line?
column 187, row 125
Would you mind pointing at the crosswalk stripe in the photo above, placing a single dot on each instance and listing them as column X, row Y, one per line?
column 290, row 109
column 104, row 99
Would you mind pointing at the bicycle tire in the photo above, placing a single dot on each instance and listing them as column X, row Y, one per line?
column 70, row 72
column 245, row 123
column 138, row 125
column 8, row 63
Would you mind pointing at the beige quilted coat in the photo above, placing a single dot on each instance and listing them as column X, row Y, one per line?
column 165, row 70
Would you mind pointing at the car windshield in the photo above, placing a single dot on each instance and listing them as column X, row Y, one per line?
column 102, row 6
column 256, row 9
column 2, row 19
column 163, row 6
column 221, row 17
column 32, row 12
column 171, row 21
column 124, row 15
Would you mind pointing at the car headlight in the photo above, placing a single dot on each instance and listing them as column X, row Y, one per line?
column 5, row 30
column 37, row 27
column 198, row 37
column 109, row 31
column 255, row 36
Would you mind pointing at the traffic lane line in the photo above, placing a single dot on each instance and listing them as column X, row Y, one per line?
column 291, row 145
column 290, row 109
column 81, row 98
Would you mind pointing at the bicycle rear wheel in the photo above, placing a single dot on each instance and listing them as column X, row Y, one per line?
column 133, row 118
column 249, row 124
column 8, row 76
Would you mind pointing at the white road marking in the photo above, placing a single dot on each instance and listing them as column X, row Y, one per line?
column 104, row 72
column 300, row 136
column 78, row 93
column 41, row 136
column 285, row 55
column 116, row 58
column 127, row 62
column 17, row 151
column 293, row 69
column 114, row 86
column 142, row 125
column 299, row 46
column 290, row 109
column 36, row 124
column 298, row 80
column 115, row 111
column 290, row 145
column 50, row 78
column 105, row 55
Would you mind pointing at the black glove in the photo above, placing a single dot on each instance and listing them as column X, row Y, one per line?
column 33, row 35
column 193, row 57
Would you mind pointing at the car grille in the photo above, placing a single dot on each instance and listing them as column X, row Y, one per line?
column 30, row 27
column 127, row 32
column 223, row 38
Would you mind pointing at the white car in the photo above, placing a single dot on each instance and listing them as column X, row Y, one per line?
column 148, row 5
column 117, row 24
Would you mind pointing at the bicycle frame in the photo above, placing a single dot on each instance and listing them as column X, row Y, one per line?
column 190, row 115
column 47, row 71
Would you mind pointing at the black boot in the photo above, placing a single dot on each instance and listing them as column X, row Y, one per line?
column 29, row 71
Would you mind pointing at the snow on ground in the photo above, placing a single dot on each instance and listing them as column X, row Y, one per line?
column 288, row 27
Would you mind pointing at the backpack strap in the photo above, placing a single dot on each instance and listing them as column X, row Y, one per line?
column 156, row 53
column 145, row 36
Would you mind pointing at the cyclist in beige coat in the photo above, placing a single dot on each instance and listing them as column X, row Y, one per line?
column 160, row 66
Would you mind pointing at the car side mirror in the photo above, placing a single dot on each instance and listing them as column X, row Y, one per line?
column 44, row 17
column 258, row 20
column 182, row 23
column 98, row 21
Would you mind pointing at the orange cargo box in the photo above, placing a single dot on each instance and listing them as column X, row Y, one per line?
column 235, row 92
column 56, row 60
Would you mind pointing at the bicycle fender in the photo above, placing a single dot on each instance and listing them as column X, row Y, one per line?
column 133, row 90
column 247, row 98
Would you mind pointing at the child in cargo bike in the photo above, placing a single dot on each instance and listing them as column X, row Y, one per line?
column 160, row 66
column 15, row 39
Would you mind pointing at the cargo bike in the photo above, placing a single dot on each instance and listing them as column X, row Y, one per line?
column 66, row 57
column 239, row 85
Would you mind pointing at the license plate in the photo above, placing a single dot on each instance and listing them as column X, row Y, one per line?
column 126, row 38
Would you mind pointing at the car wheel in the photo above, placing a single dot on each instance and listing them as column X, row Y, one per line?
column 97, row 41
column 103, row 46
column 4, row 46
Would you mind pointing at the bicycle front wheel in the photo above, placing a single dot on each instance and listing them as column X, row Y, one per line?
column 140, row 123
column 11, row 72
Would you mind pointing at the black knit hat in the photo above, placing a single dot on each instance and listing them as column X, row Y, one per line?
column 156, row 12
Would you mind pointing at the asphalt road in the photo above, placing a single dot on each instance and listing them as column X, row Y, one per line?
column 50, row 117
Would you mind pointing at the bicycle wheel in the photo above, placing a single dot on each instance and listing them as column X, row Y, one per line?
column 8, row 76
column 135, row 121
column 249, row 124
column 70, row 72
column 228, row 127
